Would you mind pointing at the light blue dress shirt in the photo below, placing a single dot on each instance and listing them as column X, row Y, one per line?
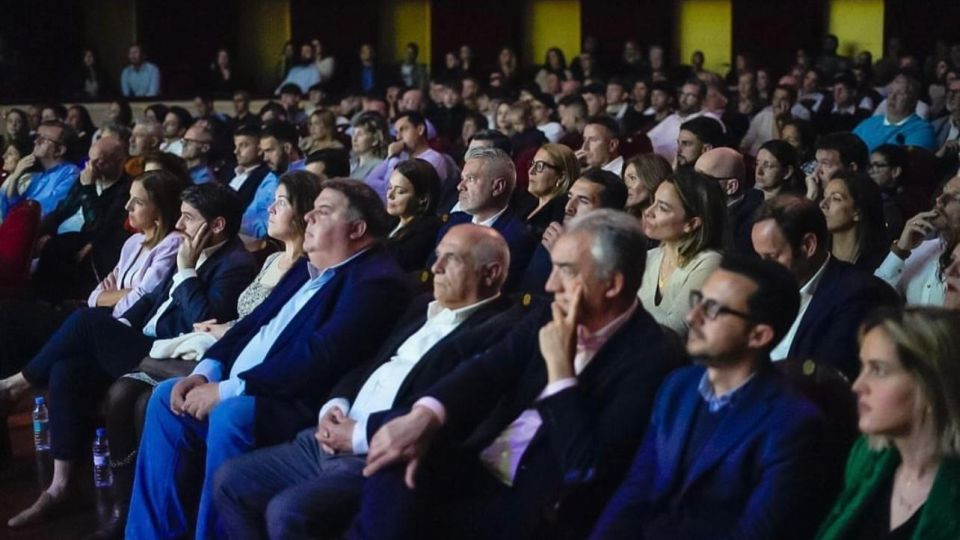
column 201, row 174
column 256, row 350
column 47, row 188
column 140, row 82
column 254, row 222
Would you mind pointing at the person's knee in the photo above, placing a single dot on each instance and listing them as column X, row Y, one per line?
column 227, row 483
column 284, row 517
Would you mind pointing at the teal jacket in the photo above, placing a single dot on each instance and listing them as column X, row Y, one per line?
column 866, row 472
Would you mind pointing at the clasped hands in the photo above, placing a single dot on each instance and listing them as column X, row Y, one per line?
column 194, row 396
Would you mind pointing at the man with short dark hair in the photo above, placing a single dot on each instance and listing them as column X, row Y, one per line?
column 290, row 95
column 839, row 110
column 900, row 125
column 664, row 135
column 696, row 137
column 834, row 295
column 279, row 144
column 51, row 176
column 263, row 381
column 304, row 73
column 175, row 125
column 140, row 78
column 254, row 183
column 242, row 117
column 661, row 105
column 601, row 145
column 618, row 107
column 329, row 163
column 731, row 450
column 411, row 142
column 546, row 419
column 595, row 96
column 573, row 119
column 836, row 152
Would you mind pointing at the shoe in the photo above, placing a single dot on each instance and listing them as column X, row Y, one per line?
column 45, row 506
column 112, row 529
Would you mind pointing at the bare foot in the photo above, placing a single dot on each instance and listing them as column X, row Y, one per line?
column 12, row 388
column 45, row 506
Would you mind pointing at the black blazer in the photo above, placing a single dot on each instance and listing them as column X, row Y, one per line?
column 213, row 295
column 590, row 431
column 740, row 222
column 250, row 185
column 553, row 211
column 413, row 244
column 481, row 330
column 828, row 331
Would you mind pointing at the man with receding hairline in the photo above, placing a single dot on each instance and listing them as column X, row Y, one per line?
column 725, row 165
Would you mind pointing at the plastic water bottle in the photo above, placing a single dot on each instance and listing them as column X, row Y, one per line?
column 41, row 425
column 102, row 475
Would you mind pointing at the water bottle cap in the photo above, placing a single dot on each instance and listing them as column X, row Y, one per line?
column 101, row 432
column 39, row 400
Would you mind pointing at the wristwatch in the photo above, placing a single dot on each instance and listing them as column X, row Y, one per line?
column 898, row 251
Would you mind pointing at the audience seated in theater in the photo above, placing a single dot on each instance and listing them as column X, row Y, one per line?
column 642, row 176
column 553, row 168
column 594, row 189
column 839, row 111
column 730, row 451
column 241, row 111
column 92, row 349
column 834, row 295
column 688, row 218
column 542, row 109
column 853, row 209
column 175, row 125
column 887, row 168
column 595, row 96
column 303, row 72
column 618, row 107
column 127, row 397
column 768, row 123
column 329, row 163
column 809, row 95
column 835, row 152
column 572, row 111
column 525, row 135
column 801, row 135
column 197, row 143
column 254, row 183
column 155, row 113
column 726, row 167
column 912, row 267
column 778, row 170
column 369, row 144
column 663, row 136
column 315, row 481
column 139, row 78
column 278, row 144
column 80, row 240
column 12, row 153
column 946, row 129
column 903, row 475
column 556, row 407
column 323, row 132
column 263, row 381
column 485, row 189
column 145, row 136
column 78, row 117
column 290, row 95
column 412, row 198
column 661, row 105
column 697, row 136
column 411, row 142
column 601, row 145
column 899, row 125
column 366, row 76
column 44, row 175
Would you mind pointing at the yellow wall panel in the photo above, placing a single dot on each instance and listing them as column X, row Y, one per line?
column 551, row 23
column 405, row 21
column 265, row 27
column 858, row 24
column 706, row 25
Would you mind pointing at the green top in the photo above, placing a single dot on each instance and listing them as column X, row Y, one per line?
column 866, row 472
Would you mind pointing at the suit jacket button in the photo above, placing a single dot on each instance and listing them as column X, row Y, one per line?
column 527, row 298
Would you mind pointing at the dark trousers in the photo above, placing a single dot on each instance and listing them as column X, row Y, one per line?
column 59, row 275
column 89, row 351
column 292, row 490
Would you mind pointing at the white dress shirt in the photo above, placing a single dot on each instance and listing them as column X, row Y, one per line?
column 240, row 176
column 809, row 288
column 380, row 389
column 615, row 166
column 490, row 220
column 917, row 279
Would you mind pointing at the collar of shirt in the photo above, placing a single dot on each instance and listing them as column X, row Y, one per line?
column 489, row 221
column 588, row 343
column 715, row 402
column 810, row 287
column 244, row 171
column 735, row 200
column 615, row 165
column 887, row 122
column 439, row 314
column 315, row 272
column 850, row 109
column 208, row 252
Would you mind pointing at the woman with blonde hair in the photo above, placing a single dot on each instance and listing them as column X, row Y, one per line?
column 553, row 169
column 903, row 475
column 369, row 144
column 322, row 125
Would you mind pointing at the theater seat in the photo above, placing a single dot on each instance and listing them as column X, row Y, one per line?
column 18, row 234
column 635, row 144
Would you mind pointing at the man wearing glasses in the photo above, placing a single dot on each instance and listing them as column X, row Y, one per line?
column 730, row 452
column 197, row 143
column 50, row 175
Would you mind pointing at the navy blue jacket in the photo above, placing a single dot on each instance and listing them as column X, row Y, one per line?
column 339, row 328
column 757, row 476
column 211, row 295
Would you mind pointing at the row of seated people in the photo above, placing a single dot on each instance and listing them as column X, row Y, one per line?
column 286, row 378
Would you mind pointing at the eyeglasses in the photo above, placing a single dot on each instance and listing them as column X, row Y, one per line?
column 41, row 138
column 197, row 142
column 877, row 165
column 538, row 166
column 712, row 309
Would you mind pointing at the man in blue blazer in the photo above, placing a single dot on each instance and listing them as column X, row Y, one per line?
column 310, row 486
column 263, row 381
column 834, row 295
column 486, row 185
column 550, row 415
column 730, row 452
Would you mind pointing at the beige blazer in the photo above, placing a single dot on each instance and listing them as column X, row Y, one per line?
column 675, row 302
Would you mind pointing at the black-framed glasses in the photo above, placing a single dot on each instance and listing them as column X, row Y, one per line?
column 40, row 138
column 711, row 308
column 539, row 166
column 878, row 165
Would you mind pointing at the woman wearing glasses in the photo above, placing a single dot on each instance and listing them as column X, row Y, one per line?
column 553, row 169
column 903, row 475
column 687, row 217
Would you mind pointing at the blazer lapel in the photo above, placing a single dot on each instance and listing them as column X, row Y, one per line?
column 826, row 292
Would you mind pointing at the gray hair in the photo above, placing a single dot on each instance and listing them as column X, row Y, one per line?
column 496, row 163
column 617, row 244
column 151, row 127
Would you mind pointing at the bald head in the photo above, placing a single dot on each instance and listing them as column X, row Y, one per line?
column 471, row 266
column 725, row 165
column 106, row 158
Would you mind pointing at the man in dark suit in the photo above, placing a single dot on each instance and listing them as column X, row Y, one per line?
column 730, row 452
column 558, row 406
column 310, row 487
column 262, row 382
column 834, row 296
column 487, row 182
column 725, row 165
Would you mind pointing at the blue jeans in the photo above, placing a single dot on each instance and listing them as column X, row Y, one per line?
column 177, row 451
